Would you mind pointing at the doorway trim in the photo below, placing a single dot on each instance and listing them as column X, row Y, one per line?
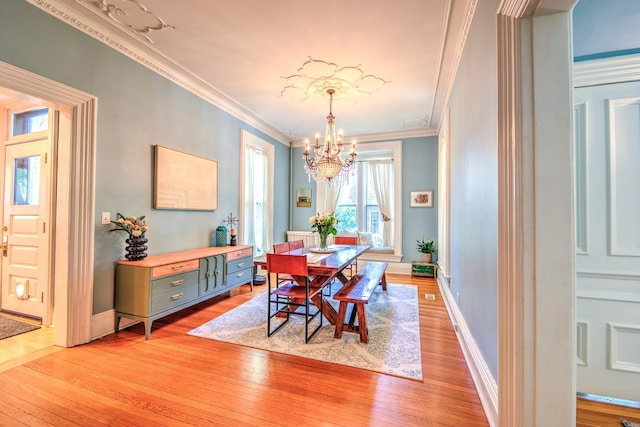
column 74, row 201
column 536, row 273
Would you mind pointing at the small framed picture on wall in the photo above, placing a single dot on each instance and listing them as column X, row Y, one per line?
column 303, row 198
column 421, row 199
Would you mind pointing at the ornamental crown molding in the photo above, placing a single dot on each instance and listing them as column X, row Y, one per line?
column 468, row 19
column 131, row 14
column 145, row 54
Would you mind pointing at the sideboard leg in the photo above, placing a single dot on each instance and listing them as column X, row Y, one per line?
column 147, row 329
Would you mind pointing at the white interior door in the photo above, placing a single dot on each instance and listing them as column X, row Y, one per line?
column 26, row 225
column 607, row 152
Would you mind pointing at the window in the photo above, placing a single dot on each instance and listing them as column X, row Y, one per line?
column 256, row 191
column 376, row 183
column 358, row 208
column 30, row 121
column 26, row 185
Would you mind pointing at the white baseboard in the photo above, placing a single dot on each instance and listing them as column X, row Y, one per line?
column 485, row 383
column 104, row 324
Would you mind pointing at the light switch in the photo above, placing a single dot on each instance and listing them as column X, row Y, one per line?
column 106, row 217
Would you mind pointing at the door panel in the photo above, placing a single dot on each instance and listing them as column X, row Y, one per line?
column 25, row 233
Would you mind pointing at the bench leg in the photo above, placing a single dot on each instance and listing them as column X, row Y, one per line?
column 362, row 324
column 383, row 282
column 352, row 317
column 342, row 312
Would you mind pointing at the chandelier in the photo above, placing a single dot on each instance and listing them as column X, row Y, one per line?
column 327, row 162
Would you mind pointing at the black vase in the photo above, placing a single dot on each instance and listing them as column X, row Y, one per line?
column 136, row 248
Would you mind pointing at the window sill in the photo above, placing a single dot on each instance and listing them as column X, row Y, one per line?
column 372, row 256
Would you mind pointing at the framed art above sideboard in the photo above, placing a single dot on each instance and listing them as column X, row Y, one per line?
column 183, row 181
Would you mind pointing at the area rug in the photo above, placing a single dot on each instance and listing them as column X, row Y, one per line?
column 10, row 327
column 392, row 319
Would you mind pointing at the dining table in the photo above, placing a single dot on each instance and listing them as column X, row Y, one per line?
column 323, row 267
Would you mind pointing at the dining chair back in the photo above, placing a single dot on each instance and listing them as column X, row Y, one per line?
column 345, row 240
column 296, row 244
column 348, row 240
column 279, row 248
column 296, row 265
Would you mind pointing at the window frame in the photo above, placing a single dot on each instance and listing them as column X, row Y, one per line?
column 377, row 151
column 249, row 138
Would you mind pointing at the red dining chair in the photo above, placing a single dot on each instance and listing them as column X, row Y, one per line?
column 296, row 244
column 288, row 298
column 348, row 240
column 279, row 248
column 345, row 240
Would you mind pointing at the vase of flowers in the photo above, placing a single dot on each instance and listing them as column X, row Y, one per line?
column 136, row 242
column 324, row 224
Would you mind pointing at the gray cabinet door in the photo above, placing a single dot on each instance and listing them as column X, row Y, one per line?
column 212, row 274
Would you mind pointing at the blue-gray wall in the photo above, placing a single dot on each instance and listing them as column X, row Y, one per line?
column 136, row 109
column 419, row 172
column 601, row 27
column 473, row 141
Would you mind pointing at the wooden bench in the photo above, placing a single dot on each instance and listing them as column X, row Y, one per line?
column 358, row 291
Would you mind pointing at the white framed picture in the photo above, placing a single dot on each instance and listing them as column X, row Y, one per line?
column 421, row 198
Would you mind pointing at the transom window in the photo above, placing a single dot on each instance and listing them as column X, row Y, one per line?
column 30, row 121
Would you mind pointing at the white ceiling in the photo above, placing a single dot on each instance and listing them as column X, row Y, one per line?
column 237, row 54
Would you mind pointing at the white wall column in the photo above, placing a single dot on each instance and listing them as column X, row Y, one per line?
column 536, row 273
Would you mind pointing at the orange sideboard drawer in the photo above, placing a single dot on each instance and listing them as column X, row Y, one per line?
column 239, row 254
column 178, row 267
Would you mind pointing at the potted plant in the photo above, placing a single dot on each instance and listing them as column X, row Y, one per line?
column 427, row 248
column 135, row 227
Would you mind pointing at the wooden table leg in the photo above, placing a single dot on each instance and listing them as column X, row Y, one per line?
column 342, row 278
column 328, row 311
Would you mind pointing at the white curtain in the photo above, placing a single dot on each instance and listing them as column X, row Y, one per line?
column 255, row 224
column 381, row 172
column 331, row 197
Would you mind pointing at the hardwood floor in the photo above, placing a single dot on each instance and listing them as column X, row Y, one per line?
column 593, row 413
column 24, row 347
column 175, row 379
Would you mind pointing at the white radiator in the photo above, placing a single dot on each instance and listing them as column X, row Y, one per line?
column 309, row 238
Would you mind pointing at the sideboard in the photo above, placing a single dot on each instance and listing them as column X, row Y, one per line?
column 159, row 285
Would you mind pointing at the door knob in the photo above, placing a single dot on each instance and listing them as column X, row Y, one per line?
column 5, row 241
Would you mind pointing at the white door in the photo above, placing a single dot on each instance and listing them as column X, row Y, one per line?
column 607, row 153
column 26, row 225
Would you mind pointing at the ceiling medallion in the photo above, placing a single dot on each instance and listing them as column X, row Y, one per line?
column 316, row 77
column 131, row 14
